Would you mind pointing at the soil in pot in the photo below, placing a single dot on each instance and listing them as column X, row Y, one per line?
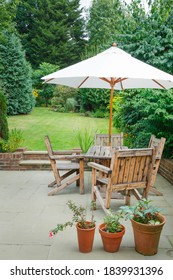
column 85, row 239
column 147, row 236
column 111, row 241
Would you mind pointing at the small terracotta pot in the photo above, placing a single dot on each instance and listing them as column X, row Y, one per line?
column 85, row 238
column 147, row 236
column 111, row 241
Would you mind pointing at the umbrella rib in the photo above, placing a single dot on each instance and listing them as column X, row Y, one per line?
column 158, row 83
column 83, row 81
column 48, row 80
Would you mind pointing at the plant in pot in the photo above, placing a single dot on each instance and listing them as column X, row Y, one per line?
column 112, row 231
column 147, row 223
column 85, row 228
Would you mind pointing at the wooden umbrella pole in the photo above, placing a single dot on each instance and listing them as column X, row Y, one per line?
column 110, row 115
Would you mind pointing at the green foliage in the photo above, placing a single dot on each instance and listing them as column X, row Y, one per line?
column 143, row 212
column 85, row 139
column 104, row 22
column 79, row 216
column 61, row 94
column 7, row 14
column 14, row 141
column 3, row 117
column 71, row 104
column 140, row 113
column 112, row 222
column 51, row 31
column 45, row 91
column 94, row 99
column 148, row 36
column 15, row 73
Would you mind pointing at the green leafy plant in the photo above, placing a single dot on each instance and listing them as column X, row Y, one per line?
column 14, row 141
column 112, row 222
column 143, row 212
column 85, row 139
column 79, row 216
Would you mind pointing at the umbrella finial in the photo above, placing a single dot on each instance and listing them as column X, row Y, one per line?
column 114, row 44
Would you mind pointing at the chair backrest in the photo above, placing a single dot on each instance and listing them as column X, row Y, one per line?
column 48, row 145
column 103, row 140
column 132, row 168
column 159, row 145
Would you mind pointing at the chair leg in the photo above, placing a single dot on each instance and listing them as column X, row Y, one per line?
column 78, row 181
column 52, row 184
column 81, row 175
column 63, row 185
column 127, row 197
column 93, row 184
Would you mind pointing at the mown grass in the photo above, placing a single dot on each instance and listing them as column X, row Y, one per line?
column 62, row 128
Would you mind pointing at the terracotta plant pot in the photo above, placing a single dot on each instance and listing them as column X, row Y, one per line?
column 111, row 241
column 147, row 236
column 85, row 239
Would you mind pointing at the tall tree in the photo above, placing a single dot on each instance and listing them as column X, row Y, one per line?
column 7, row 14
column 51, row 31
column 15, row 76
column 148, row 35
column 104, row 22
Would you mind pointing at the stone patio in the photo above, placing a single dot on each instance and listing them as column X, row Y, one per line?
column 27, row 214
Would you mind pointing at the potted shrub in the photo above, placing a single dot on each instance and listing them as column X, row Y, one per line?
column 112, row 232
column 85, row 228
column 147, row 223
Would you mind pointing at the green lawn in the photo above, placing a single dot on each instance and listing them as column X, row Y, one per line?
column 62, row 128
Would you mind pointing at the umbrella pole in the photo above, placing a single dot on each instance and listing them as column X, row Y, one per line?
column 110, row 115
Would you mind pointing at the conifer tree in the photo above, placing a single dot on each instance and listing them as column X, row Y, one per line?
column 15, row 75
column 51, row 31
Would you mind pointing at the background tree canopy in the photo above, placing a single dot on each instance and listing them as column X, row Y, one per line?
column 38, row 36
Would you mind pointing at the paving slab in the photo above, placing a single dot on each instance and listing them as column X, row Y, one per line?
column 27, row 214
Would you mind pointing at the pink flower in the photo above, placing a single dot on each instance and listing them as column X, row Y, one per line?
column 50, row 234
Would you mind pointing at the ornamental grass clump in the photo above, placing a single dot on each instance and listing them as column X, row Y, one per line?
column 143, row 212
column 79, row 217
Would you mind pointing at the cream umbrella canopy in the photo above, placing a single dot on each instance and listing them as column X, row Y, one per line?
column 112, row 69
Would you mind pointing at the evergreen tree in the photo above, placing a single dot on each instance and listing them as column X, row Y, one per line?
column 51, row 31
column 3, row 117
column 105, row 22
column 15, row 74
column 7, row 14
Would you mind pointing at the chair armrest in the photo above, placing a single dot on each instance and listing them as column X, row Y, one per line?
column 100, row 167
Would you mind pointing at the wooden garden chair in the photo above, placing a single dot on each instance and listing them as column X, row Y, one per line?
column 69, row 161
column 103, row 140
column 130, row 171
column 159, row 145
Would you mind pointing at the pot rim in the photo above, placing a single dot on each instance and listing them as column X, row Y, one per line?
column 162, row 221
column 86, row 229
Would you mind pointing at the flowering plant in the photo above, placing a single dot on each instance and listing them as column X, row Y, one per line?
column 79, row 216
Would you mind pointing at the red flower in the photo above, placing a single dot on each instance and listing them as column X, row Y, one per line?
column 50, row 234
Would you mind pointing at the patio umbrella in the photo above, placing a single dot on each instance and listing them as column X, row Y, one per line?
column 112, row 69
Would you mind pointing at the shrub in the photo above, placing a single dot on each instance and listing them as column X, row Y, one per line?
column 14, row 141
column 70, row 104
column 3, row 116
